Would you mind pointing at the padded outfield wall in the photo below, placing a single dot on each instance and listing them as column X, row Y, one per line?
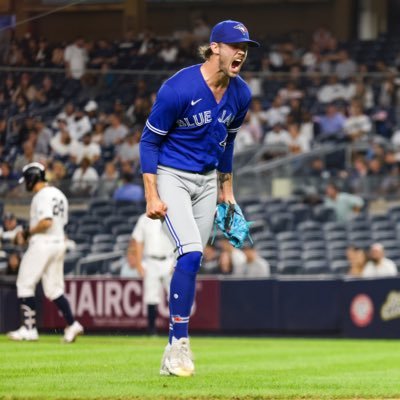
column 279, row 306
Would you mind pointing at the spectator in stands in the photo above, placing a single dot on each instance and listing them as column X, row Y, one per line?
column 298, row 143
column 80, row 126
column 244, row 263
column 108, row 181
column 278, row 135
column 84, row 179
column 67, row 114
column 357, row 259
column 47, row 93
column 129, row 149
column 247, row 263
column 7, row 178
column 44, row 135
column 290, row 92
column 62, row 143
column 10, row 228
column 13, row 262
column 56, row 173
column 116, row 132
column 358, row 175
column 346, row 205
column 331, row 124
column 85, row 148
column 169, row 52
column 358, row 125
column 210, row 261
column 277, row 113
column 128, row 191
column 345, row 67
column 332, row 91
column 247, row 135
column 127, row 265
column 25, row 88
column 91, row 109
column 29, row 155
column 76, row 58
column 378, row 265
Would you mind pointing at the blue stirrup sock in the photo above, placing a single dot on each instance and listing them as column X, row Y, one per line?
column 182, row 292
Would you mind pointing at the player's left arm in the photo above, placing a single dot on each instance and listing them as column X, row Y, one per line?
column 42, row 226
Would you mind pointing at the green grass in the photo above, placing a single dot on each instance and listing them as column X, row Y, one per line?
column 115, row 367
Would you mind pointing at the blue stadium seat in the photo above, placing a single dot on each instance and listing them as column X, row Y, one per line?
column 291, row 254
column 358, row 235
column 382, row 226
column 334, row 227
column 265, row 244
column 264, row 235
column 102, row 247
column 335, row 235
column 290, row 245
column 312, row 235
column 383, row 235
column 121, row 229
column 300, row 212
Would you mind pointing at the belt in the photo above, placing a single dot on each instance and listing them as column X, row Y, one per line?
column 158, row 258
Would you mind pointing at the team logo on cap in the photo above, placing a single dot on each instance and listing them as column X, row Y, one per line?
column 241, row 28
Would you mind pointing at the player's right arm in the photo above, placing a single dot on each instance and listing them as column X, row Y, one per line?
column 162, row 118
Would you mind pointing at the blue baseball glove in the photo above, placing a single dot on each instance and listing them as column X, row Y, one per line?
column 230, row 220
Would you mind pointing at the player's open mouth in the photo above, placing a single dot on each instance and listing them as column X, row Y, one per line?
column 236, row 64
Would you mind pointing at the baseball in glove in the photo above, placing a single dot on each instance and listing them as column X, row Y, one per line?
column 230, row 220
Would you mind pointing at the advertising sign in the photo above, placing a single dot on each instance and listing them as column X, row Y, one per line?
column 371, row 308
column 109, row 304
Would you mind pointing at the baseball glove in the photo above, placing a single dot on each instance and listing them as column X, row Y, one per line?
column 230, row 220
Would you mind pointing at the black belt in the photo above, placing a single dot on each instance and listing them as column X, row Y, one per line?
column 158, row 258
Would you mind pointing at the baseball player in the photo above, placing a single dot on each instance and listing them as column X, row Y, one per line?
column 44, row 258
column 155, row 261
column 186, row 153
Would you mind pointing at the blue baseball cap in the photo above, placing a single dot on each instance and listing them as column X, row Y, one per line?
column 231, row 32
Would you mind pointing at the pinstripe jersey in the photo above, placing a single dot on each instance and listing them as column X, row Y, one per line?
column 190, row 128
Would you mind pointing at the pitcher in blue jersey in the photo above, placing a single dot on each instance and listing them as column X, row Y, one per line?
column 186, row 155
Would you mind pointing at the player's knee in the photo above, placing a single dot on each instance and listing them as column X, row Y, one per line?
column 189, row 262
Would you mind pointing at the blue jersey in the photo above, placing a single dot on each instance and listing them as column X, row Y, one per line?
column 191, row 131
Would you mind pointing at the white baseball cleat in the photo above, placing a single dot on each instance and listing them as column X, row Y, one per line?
column 71, row 332
column 23, row 333
column 163, row 368
column 179, row 359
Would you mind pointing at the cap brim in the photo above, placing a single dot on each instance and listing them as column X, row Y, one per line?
column 251, row 43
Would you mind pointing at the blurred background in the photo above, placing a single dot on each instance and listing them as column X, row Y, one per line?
column 317, row 160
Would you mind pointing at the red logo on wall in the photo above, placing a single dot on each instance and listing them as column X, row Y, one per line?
column 362, row 310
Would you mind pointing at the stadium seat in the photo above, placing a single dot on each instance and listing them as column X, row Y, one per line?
column 335, row 235
column 89, row 220
column 311, row 267
column 289, row 267
column 290, row 245
column 383, row 235
column 103, row 238
column 300, row 212
column 287, row 236
column 121, row 229
column 324, row 214
column 340, row 267
column 91, row 229
column 314, row 245
column 102, row 247
column 265, row 244
column 70, row 262
column 334, row 227
column 94, row 264
column 382, row 226
column 103, row 211
column 264, row 235
column 359, row 235
column 308, row 226
column 355, row 226
column 312, row 235
column 309, row 255
column 290, row 254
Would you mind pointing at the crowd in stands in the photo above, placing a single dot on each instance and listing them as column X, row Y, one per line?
column 84, row 121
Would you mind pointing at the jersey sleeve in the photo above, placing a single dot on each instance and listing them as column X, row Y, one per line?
column 225, row 164
column 237, row 122
column 162, row 118
column 138, row 231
